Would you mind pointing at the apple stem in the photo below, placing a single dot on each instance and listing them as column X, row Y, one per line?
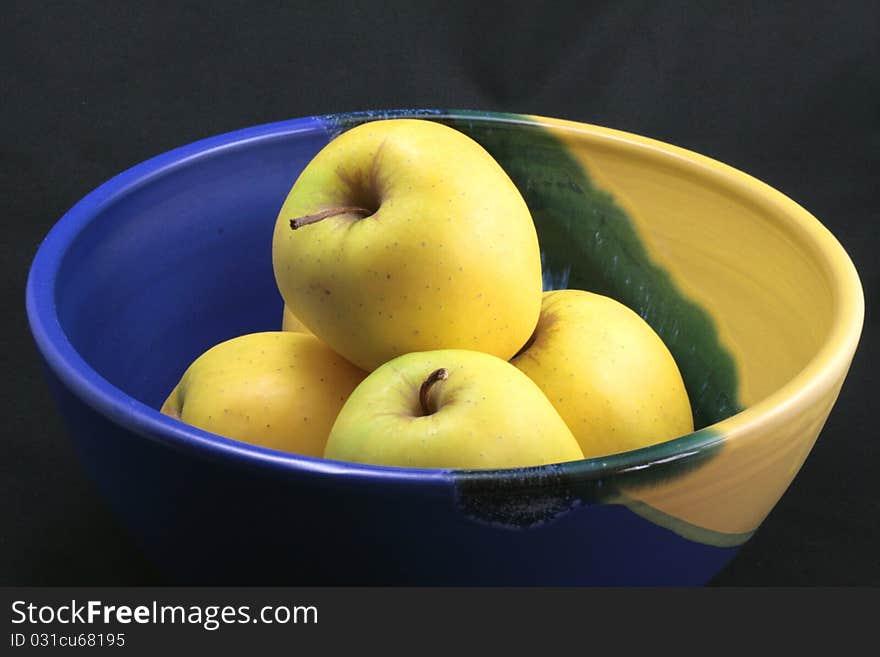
column 433, row 377
column 299, row 222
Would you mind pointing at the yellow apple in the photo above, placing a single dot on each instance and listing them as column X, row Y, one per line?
column 450, row 408
column 276, row 389
column 290, row 322
column 607, row 372
column 405, row 235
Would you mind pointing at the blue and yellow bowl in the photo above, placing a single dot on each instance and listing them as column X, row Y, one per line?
column 757, row 301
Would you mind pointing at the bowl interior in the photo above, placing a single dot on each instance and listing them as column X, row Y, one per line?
column 177, row 263
column 175, row 256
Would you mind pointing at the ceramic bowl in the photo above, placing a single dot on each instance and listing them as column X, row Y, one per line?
column 757, row 301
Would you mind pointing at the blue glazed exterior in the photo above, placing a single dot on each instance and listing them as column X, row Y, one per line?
column 174, row 256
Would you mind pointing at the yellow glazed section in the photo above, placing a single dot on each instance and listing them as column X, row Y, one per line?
column 785, row 300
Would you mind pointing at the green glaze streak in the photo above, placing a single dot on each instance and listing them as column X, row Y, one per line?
column 339, row 123
column 589, row 242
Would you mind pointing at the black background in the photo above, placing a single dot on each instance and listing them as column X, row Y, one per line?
column 789, row 94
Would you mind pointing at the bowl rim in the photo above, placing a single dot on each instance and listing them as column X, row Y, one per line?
column 826, row 369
